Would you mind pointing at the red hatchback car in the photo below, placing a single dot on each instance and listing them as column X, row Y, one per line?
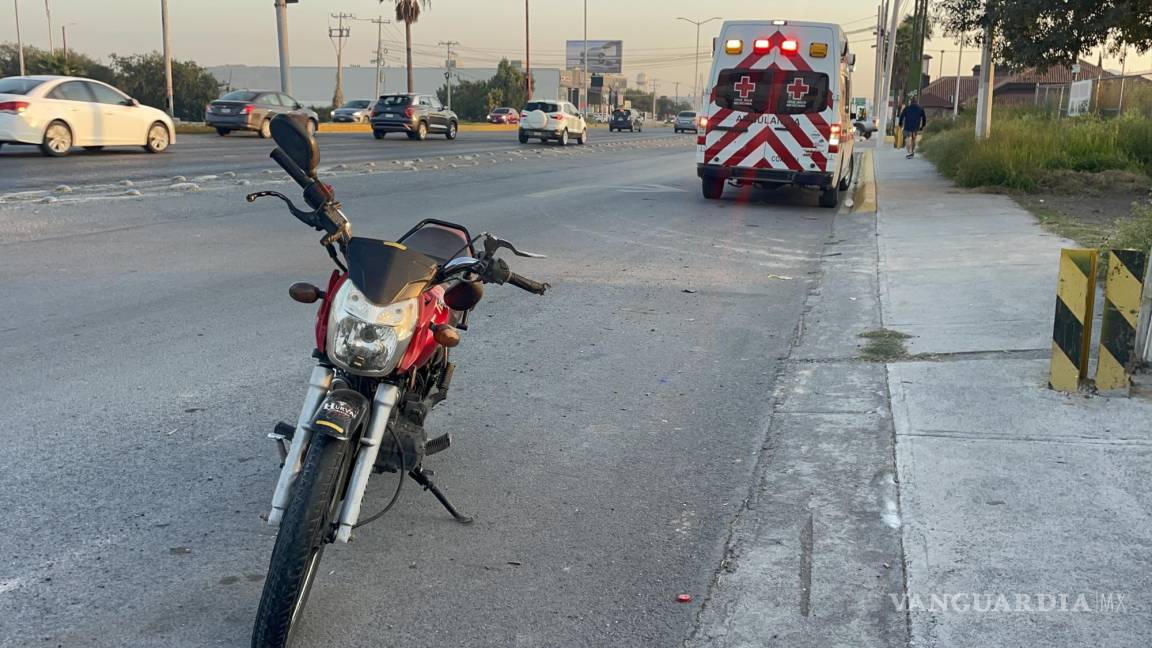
column 504, row 116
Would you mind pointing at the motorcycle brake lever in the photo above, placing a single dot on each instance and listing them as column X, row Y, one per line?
column 308, row 218
column 493, row 243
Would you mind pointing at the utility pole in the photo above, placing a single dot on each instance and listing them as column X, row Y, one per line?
column 378, row 60
column 48, row 13
column 677, row 95
column 878, row 82
column 697, row 96
column 19, row 41
column 167, row 59
column 956, row 96
column 654, row 98
column 889, row 59
column 282, row 39
column 941, row 75
column 338, row 35
column 584, row 78
column 449, row 64
column 987, row 77
column 527, row 58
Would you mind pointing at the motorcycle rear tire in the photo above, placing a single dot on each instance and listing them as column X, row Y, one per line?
column 304, row 532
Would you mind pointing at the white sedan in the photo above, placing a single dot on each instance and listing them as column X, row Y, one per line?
column 58, row 113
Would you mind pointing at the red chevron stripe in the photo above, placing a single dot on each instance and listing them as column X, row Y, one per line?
column 782, row 151
column 797, row 131
column 729, row 136
column 756, row 142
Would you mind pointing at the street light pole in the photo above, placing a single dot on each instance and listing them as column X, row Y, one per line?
column 48, row 13
column 19, row 41
column 282, row 39
column 527, row 58
column 696, row 95
column 170, row 103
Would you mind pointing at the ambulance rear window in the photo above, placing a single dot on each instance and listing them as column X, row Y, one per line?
column 744, row 90
column 800, row 92
column 781, row 92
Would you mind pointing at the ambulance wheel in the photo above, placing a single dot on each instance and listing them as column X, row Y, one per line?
column 846, row 181
column 830, row 197
column 713, row 188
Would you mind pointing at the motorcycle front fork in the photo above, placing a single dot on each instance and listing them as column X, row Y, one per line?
column 383, row 403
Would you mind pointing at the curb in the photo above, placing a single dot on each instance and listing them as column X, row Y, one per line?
column 864, row 196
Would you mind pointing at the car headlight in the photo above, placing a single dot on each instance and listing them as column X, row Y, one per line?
column 366, row 338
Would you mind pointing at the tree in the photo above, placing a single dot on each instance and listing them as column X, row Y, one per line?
column 473, row 100
column 905, row 70
column 142, row 77
column 408, row 12
column 1042, row 33
column 509, row 81
column 38, row 61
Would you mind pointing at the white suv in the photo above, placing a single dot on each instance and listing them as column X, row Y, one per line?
column 557, row 120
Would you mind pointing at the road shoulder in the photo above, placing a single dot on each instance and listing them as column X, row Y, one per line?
column 815, row 555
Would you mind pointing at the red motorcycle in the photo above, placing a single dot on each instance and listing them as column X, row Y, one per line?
column 387, row 318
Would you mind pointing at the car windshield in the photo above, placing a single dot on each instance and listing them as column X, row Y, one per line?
column 240, row 95
column 546, row 106
column 621, row 114
column 501, row 111
column 395, row 100
column 355, row 104
column 687, row 114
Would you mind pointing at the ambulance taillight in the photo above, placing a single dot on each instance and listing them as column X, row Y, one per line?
column 761, row 45
column 834, row 139
column 733, row 46
column 789, row 47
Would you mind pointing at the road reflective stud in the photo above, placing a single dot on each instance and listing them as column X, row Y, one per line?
column 1072, row 327
column 1122, row 293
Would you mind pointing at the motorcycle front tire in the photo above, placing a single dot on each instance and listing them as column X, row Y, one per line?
column 304, row 532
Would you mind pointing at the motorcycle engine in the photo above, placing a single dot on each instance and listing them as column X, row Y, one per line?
column 403, row 445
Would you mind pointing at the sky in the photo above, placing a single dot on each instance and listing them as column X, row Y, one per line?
column 216, row 32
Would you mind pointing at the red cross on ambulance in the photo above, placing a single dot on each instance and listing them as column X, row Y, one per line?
column 745, row 87
column 797, row 89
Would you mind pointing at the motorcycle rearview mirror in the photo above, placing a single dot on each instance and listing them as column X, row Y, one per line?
column 292, row 137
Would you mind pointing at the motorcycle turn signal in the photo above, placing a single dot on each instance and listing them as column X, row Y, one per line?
column 305, row 293
column 446, row 335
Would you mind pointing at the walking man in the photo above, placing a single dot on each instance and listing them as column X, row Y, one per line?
column 913, row 119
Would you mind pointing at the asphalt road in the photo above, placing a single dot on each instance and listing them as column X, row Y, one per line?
column 23, row 168
column 605, row 434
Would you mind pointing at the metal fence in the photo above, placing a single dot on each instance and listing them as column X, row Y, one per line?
column 1130, row 94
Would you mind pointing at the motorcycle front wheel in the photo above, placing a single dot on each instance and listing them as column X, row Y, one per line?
column 304, row 531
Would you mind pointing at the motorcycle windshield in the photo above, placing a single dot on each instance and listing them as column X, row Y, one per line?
column 388, row 272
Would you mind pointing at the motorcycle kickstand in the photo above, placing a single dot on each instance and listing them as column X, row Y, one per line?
column 424, row 478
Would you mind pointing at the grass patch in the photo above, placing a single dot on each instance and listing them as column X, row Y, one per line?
column 884, row 345
column 1024, row 147
column 1134, row 232
column 194, row 129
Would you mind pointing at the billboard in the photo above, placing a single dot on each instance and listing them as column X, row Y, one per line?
column 604, row 56
column 1079, row 98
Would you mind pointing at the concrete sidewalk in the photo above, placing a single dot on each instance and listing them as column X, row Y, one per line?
column 947, row 500
column 1006, row 487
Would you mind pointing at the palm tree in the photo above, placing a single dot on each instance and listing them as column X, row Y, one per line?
column 408, row 12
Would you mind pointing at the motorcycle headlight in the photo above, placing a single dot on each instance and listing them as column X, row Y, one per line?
column 367, row 338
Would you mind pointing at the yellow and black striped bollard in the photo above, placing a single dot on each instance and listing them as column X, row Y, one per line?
column 1072, row 330
column 1122, row 293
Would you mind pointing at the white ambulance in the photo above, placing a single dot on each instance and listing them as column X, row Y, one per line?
column 778, row 108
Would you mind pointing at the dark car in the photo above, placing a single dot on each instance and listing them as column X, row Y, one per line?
column 626, row 119
column 504, row 116
column 253, row 110
column 414, row 114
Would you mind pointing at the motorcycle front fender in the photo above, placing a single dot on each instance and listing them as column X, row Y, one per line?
column 341, row 414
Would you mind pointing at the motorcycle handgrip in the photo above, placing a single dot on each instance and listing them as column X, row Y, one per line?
column 524, row 283
column 291, row 167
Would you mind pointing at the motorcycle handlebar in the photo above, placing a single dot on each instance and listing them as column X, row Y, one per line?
column 291, row 167
column 524, row 283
